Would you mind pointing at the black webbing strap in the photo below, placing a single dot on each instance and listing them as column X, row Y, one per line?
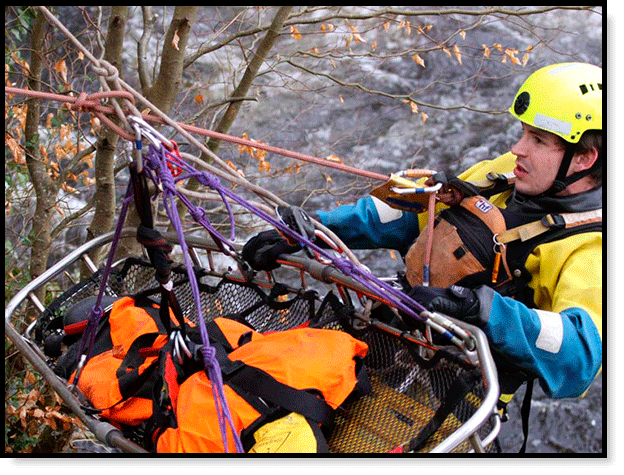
column 131, row 381
column 525, row 411
column 243, row 378
column 265, row 386
column 158, row 249
column 462, row 385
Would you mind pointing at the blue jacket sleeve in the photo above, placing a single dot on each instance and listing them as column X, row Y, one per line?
column 371, row 224
column 564, row 350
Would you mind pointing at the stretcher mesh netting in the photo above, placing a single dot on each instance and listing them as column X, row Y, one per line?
column 407, row 385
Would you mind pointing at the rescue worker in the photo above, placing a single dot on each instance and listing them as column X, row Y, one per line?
column 552, row 329
column 556, row 334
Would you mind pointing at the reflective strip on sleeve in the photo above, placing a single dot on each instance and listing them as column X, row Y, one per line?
column 386, row 213
column 550, row 336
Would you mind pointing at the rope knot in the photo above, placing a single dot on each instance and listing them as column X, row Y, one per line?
column 209, row 353
column 83, row 102
column 209, row 180
column 167, row 181
column 106, row 70
column 197, row 213
column 344, row 265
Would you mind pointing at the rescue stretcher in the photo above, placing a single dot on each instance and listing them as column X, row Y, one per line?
column 428, row 394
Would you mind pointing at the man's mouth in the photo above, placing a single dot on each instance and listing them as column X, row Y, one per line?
column 520, row 170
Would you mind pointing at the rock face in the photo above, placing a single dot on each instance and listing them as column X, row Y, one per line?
column 557, row 426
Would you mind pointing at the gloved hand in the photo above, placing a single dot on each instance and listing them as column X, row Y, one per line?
column 263, row 250
column 454, row 189
column 297, row 220
column 455, row 301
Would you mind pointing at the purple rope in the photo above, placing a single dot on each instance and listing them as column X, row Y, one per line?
column 394, row 296
column 156, row 159
column 87, row 342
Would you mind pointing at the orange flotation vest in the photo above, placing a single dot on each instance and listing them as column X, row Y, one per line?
column 286, row 368
column 134, row 379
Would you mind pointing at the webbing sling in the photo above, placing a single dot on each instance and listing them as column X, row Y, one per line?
column 525, row 412
column 548, row 223
column 462, row 385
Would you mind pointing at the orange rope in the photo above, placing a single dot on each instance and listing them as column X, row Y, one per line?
column 84, row 102
column 91, row 104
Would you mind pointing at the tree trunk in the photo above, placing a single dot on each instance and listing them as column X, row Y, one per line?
column 164, row 91
column 104, row 214
column 45, row 189
column 166, row 87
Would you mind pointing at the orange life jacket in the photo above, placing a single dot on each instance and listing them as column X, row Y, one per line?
column 302, row 359
column 133, row 378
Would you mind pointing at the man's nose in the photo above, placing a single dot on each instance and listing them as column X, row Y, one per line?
column 519, row 148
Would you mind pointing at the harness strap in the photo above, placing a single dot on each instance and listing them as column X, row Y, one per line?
column 265, row 386
column 240, row 376
column 495, row 183
column 549, row 222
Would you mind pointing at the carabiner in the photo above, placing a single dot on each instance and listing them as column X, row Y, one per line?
column 138, row 145
column 149, row 131
column 499, row 247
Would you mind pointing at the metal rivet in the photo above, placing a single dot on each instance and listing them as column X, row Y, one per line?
column 589, row 117
column 578, row 115
column 517, row 272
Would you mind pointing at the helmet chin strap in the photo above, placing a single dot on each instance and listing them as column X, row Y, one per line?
column 561, row 180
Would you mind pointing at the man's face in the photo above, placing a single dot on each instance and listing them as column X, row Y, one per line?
column 538, row 156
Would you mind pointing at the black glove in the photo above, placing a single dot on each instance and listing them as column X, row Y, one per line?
column 455, row 301
column 297, row 220
column 263, row 250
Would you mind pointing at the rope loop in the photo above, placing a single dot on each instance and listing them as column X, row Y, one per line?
column 197, row 213
column 83, row 102
column 209, row 353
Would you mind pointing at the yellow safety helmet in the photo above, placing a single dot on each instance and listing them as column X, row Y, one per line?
column 565, row 99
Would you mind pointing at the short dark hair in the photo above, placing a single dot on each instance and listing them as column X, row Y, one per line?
column 589, row 140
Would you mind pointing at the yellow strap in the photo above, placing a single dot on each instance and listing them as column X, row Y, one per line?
column 530, row 230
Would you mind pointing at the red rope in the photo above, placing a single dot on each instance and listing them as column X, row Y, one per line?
column 90, row 103
column 84, row 102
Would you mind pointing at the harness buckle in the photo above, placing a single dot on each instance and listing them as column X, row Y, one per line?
column 554, row 221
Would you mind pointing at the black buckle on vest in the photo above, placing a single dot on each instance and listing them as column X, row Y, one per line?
column 228, row 367
column 554, row 221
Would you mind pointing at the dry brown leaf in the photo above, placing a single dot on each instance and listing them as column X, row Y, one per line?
column 294, row 32
column 419, row 60
column 457, row 53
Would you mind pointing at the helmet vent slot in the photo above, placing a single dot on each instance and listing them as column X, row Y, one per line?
column 585, row 89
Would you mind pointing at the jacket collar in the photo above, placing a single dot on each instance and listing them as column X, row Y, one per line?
column 585, row 201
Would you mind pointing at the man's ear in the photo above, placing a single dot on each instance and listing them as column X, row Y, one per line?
column 583, row 161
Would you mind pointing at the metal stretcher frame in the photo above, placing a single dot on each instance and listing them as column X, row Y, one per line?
column 107, row 433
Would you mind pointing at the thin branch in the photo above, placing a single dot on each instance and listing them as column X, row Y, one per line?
column 387, row 94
